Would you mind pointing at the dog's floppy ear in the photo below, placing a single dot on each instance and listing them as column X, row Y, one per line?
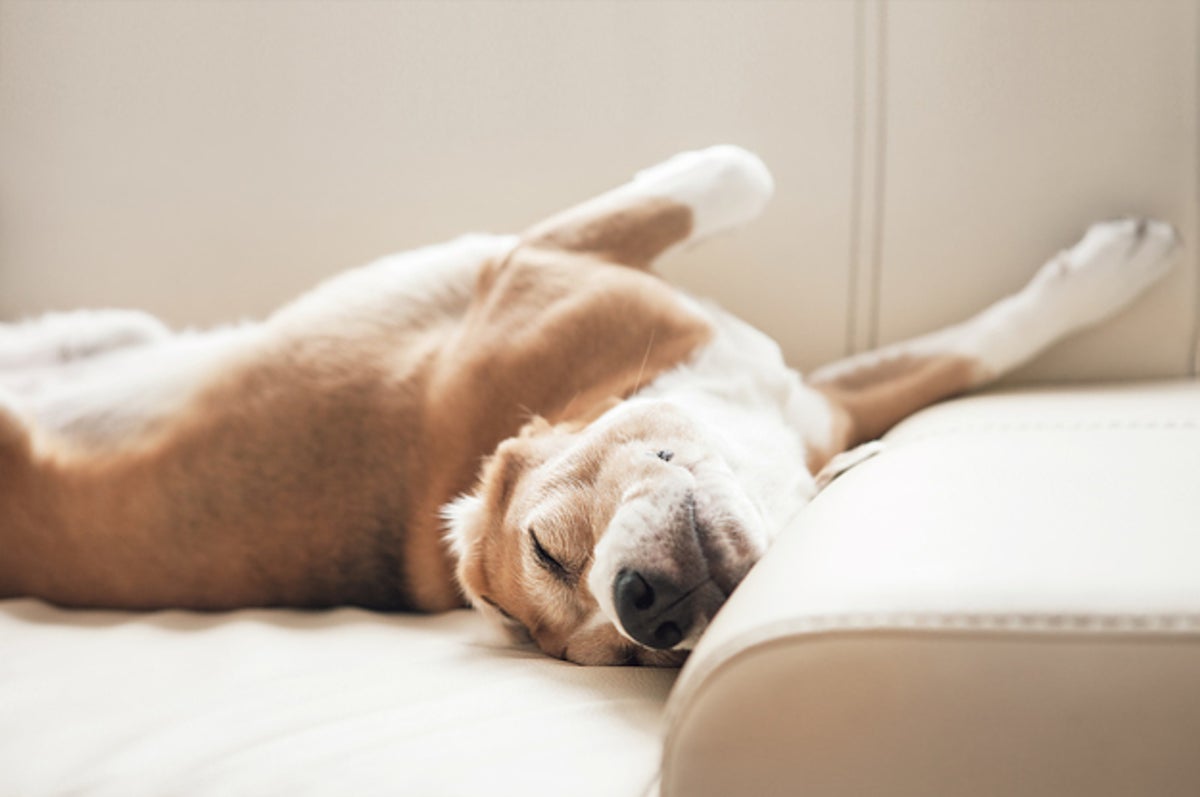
column 537, row 440
column 504, row 469
column 469, row 517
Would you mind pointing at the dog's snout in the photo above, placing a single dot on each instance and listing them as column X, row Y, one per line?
column 653, row 610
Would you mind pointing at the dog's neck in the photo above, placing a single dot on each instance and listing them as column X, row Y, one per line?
column 766, row 423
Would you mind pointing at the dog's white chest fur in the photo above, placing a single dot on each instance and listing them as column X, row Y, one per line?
column 756, row 410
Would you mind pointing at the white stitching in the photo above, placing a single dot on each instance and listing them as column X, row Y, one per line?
column 1143, row 624
column 985, row 621
column 1180, row 424
column 683, row 694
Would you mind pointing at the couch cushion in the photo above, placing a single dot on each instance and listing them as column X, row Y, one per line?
column 1006, row 600
column 278, row 702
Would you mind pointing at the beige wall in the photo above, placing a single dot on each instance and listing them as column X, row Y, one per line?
column 207, row 160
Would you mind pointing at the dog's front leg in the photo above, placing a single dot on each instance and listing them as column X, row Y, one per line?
column 678, row 202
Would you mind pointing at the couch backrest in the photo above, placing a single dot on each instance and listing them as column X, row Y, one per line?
column 207, row 161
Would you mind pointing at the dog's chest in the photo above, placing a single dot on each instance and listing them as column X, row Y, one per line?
column 756, row 410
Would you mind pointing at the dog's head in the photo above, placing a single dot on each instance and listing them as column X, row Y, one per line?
column 610, row 543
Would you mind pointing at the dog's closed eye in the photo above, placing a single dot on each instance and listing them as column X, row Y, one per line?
column 547, row 560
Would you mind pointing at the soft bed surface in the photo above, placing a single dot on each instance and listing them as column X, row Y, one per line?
column 279, row 702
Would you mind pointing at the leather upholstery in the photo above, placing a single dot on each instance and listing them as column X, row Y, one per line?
column 1004, row 597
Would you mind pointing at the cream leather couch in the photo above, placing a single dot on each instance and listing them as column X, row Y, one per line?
column 1005, row 600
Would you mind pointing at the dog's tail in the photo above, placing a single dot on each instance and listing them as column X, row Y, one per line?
column 678, row 202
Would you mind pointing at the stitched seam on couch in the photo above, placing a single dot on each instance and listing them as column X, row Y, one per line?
column 1169, row 425
column 1162, row 625
column 1175, row 622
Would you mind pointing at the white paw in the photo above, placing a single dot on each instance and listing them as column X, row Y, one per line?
column 725, row 186
column 1111, row 266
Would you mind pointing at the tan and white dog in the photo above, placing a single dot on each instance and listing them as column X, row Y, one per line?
column 532, row 424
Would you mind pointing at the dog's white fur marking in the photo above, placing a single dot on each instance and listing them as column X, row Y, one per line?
column 762, row 423
column 758, row 429
column 458, row 515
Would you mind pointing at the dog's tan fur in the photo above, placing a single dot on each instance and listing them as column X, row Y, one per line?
column 872, row 399
column 312, row 471
column 580, row 494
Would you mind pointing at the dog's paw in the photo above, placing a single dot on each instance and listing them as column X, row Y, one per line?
column 1111, row 266
column 725, row 186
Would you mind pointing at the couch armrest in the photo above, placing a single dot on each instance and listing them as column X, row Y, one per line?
column 1006, row 600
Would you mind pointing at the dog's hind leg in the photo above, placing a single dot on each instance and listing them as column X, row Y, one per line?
column 1093, row 280
column 62, row 338
column 678, row 202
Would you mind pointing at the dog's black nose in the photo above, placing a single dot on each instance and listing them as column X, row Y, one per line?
column 653, row 610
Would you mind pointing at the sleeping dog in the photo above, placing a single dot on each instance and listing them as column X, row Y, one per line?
column 535, row 425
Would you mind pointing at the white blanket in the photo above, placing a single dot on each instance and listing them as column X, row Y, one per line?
column 291, row 703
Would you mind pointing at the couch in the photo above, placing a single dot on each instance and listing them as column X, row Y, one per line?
column 1004, row 599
